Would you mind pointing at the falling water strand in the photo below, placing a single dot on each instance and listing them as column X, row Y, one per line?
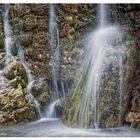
column 63, row 90
column 120, row 86
column 30, row 79
column 8, row 37
column 54, row 36
column 102, row 15
column 54, row 42
column 51, row 109
column 102, row 42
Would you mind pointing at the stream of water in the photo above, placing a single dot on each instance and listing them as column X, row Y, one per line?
column 8, row 35
column 55, row 128
column 29, row 77
column 54, row 41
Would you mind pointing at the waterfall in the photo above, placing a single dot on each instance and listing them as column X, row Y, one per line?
column 8, row 40
column 100, row 44
column 103, row 49
column 54, row 42
column 103, row 41
column 51, row 109
column 29, row 77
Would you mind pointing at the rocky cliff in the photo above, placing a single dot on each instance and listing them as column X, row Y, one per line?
column 30, row 25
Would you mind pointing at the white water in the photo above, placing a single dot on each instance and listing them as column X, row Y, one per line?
column 30, row 79
column 100, row 44
column 54, row 40
column 8, row 44
column 63, row 90
column 120, row 87
column 8, row 37
column 105, row 40
column 102, row 15
column 51, row 109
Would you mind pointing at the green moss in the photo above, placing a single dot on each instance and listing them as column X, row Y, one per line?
column 17, row 82
column 22, row 74
column 14, row 51
column 10, row 75
column 16, row 70
column 44, row 97
column 73, row 23
column 30, row 23
column 75, row 35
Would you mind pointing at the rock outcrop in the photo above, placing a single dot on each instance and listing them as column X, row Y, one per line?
column 15, row 105
column 113, row 94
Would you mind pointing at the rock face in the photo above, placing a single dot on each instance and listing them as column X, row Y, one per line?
column 113, row 94
column 30, row 27
column 15, row 105
column 133, row 113
column 32, row 30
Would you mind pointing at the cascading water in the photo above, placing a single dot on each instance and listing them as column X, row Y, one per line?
column 7, row 32
column 29, row 77
column 8, row 43
column 102, row 50
column 54, row 42
column 63, row 90
column 51, row 112
column 8, row 36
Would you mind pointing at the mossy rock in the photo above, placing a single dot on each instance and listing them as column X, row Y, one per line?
column 30, row 23
column 43, row 98
column 18, row 80
column 15, row 69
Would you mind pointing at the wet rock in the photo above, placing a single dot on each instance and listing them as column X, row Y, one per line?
column 113, row 92
column 44, row 98
column 28, row 23
column 59, row 109
column 39, row 86
column 15, row 69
